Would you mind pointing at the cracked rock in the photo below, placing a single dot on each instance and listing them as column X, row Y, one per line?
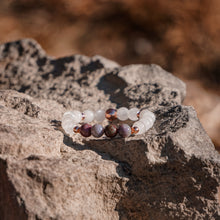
column 170, row 172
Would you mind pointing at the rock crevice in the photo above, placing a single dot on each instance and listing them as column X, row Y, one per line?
column 170, row 172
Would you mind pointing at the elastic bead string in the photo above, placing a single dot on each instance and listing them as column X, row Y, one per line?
column 144, row 120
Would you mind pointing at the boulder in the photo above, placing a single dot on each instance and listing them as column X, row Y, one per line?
column 170, row 172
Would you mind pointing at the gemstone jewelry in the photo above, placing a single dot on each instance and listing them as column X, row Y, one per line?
column 144, row 120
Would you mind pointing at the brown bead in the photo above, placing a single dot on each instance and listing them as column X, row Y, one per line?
column 76, row 129
column 111, row 130
column 111, row 114
column 134, row 130
column 138, row 114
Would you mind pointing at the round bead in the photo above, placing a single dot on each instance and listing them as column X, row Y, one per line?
column 76, row 115
column 97, row 130
column 76, row 129
column 124, row 130
column 111, row 114
column 147, row 123
column 100, row 115
column 132, row 114
column 85, row 130
column 88, row 116
column 122, row 113
column 141, row 127
column 67, row 119
column 146, row 112
column 68, row 128
column 111, row 130
column 134, row 130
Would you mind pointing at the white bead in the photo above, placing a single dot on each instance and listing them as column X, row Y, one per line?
column 76, row 115
column 140, row 125
column 89, row 116
column 147, row 112
column 68, row 128
column 148, row 123
column 148, row 118
column 99, row 115
column 132, row 114
column 68, row 119
column 122, row 113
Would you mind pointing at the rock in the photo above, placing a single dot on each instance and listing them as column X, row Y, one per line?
column 170, row 172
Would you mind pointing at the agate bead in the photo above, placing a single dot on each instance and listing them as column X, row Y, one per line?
column 111, row 130
column 97, row 130
column 111, row 114
column 124, row 130
column 85, row 130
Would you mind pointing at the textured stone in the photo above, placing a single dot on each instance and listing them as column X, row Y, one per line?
column 170, row 172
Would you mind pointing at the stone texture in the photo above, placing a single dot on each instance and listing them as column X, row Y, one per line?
column 170, row 172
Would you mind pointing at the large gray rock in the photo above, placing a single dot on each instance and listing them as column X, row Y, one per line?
column 171, row 172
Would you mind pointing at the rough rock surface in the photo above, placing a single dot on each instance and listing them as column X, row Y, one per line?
column 171, row 172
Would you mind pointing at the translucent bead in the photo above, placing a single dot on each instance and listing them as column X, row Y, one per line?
column 76, row 115
column 68, row 119
column 148, row 118
column 122, row 113
column 141, row 127
column 99, row 115
column 146, row 112
column 132, row 114
column 147, row 123
column 89, row 116
column 68, row 128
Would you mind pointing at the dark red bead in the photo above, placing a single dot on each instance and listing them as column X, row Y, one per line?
column 111, row 130
column 85, row 130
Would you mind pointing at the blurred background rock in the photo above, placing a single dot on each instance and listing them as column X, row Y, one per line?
column 181, row 36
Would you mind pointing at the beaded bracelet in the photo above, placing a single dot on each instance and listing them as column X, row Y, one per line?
column 72, row 118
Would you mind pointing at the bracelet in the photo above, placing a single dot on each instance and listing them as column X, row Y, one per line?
column 72, row 118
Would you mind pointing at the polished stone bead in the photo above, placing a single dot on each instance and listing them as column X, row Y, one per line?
column 76, row 129
column 147, row 123
column 111, row 130
column 124, row 130
column 111, row 114
column 85, row 130
column 133, row 114
column 146, row 112
column 122, row 113
column 141, row 127
column 88, row 116
column 134, row 130
column 100, row 115
column 67, row 120
column 97, row 130
column 75, row 115
column 68, row 128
